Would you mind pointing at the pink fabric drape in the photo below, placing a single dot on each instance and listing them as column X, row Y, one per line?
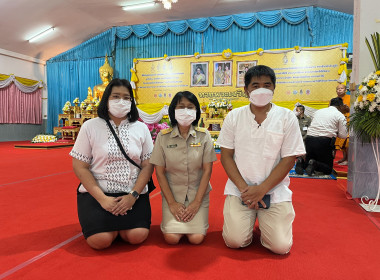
column 19, row 107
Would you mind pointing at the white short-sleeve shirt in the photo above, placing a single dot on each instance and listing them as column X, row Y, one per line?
column 97, row 146
column 328, row 122
column 259, row 148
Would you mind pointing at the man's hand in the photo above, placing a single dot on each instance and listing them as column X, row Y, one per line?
column 252, row 195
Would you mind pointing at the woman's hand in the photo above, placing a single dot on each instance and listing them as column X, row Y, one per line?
column 108, row 202
column 177, row 210
column 124, row 203
column 191, row 211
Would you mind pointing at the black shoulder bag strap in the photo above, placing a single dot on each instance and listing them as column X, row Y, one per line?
column 151, row 185
column 120, row 146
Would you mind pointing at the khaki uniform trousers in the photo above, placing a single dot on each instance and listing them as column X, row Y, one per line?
column 275, row 225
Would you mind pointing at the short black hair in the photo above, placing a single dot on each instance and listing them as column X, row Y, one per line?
column 302, row 107
column 133, row 115
column 336, row 101
column 258, row 71
column 176, row 99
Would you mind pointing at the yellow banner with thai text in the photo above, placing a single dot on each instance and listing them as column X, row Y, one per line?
column 303, row 75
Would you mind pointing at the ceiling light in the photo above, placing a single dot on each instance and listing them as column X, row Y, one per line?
column 40, row 35
column 139, row 6
column 168, row 3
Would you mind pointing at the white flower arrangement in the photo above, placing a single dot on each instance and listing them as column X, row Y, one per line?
column 366, row 119
column 41, row 138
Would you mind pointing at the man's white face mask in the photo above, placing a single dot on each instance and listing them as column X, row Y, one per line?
column 261, row 97
column 297, row 113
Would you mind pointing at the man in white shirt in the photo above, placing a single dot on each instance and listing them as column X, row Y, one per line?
column 259, row 144
column 327, row 124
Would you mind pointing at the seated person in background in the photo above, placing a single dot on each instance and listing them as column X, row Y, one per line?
column 199, row 78
column 327, row 124
column 303, row 120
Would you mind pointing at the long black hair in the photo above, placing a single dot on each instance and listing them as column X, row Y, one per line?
column 133, row 115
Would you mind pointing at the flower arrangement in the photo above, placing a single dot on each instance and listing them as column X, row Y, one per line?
column 42, row 138
column 365, row 121
column 226, row 54
column 83, row 105
column 66, row 108
column 260, row 51
column 155, row 128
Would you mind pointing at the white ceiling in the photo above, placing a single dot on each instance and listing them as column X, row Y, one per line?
column 79, row 20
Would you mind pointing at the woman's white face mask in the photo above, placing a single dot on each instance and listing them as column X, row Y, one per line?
column 185, row 116
column 119, row 108
column 261, row 97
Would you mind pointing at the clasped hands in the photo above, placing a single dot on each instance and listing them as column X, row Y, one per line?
column 118, row 205
column 183, row 213
column 252, row 195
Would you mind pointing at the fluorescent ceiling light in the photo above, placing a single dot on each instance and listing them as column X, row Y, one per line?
column 138, row 6
column 40, row 35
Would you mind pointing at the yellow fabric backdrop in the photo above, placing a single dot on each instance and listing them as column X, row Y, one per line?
column 305, row 75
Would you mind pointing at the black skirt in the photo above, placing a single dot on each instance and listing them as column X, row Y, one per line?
column 94, row 219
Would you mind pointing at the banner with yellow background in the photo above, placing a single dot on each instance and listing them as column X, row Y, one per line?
column 305, row 75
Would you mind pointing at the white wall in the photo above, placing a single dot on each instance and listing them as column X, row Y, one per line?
column 366, row 15
column 25, row 67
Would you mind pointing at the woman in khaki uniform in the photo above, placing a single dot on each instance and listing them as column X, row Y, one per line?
column 183, row 156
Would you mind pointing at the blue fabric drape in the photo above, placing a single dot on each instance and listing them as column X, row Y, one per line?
column 331, row 27
column 71, row 73
column 220, row 23
column 258, row 36
column 62, row 80
column 97, row 46
column 153, row 46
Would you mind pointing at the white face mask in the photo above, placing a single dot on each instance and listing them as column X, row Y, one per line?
column 261, row 97
column 297, row 113
column 119, row 108
column 185, row 116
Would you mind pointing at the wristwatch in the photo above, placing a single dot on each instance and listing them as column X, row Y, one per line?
column 135, row 194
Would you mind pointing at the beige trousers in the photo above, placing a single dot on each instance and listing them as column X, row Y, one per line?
column 275, row 225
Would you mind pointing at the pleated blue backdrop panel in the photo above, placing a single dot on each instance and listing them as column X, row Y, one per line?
column 97, row 46
column 332, row 27
column 283, row 35
column 152, row 46
column 62, row 80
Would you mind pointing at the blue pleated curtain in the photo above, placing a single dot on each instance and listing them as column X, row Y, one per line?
column 72, row 72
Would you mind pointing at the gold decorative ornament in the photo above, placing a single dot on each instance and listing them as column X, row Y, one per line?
column 106, row 74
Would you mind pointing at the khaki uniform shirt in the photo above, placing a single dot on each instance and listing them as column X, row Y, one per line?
column 304, row 124
column 183, row 159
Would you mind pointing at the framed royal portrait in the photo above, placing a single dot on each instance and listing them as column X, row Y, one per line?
column 222, row 73
column 199, row 74
column 242, row 68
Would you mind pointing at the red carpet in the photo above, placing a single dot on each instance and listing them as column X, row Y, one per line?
column 333, row 237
